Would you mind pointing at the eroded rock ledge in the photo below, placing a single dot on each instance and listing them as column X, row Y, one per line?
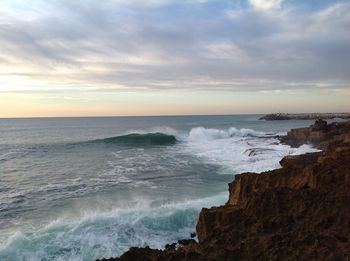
column 298, row 212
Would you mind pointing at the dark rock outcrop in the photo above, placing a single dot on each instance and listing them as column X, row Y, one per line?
column 298, row 212
column 320, row 134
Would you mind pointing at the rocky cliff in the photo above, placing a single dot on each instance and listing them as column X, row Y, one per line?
column 298, row 212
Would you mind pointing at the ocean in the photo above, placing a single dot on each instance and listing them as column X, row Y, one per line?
column 88, row 188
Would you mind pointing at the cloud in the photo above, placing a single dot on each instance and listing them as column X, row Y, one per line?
column 266, row 4
column 116, row 45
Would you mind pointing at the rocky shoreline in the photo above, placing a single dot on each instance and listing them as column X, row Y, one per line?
column 298, row 212
column 304, row 116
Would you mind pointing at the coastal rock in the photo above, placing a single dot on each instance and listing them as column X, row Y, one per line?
column 186, row 242
column 320, row 125
column 320, row 134
column 298, row 212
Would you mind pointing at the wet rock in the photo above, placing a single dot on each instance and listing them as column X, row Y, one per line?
column 170, row 246
column 186, row 242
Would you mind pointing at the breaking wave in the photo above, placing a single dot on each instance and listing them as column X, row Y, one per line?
column 204, row 134
column 98, row 234
column 139, row 139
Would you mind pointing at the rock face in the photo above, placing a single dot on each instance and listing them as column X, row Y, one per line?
column 298, row 212
column 320, row 134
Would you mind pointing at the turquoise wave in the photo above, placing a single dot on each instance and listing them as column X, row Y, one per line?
column 105, row 234
column 138, row 139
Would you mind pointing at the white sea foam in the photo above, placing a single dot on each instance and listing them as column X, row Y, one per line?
column 242, row 150
column 200, row 134
column 95, row 233
column 305, row 149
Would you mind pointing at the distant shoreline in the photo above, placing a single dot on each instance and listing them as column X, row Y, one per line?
column 304, row 116
column 261, row 115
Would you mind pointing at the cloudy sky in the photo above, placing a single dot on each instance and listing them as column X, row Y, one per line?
column 161, row 57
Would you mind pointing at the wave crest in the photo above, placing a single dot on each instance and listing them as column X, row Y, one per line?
column 204, row 134
column 145, row 139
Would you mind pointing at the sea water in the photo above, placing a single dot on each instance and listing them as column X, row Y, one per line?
column 88, row 188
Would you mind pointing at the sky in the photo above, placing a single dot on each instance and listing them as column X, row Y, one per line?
column 173, row 57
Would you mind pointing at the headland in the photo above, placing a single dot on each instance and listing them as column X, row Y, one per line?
column 298, row 212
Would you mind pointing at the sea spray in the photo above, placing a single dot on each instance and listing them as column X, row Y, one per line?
column 232, row 148
column 94, row 235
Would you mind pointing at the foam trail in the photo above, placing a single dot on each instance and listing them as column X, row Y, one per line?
column 105, row 234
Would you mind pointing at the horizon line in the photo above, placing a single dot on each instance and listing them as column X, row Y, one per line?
column 165, row 115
